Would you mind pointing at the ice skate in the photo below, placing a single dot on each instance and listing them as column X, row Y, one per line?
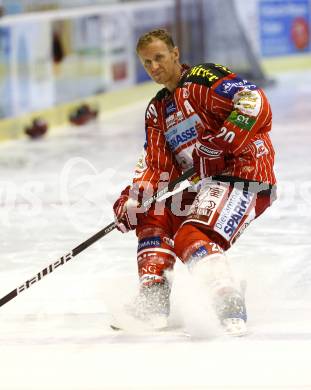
column 231, row 311
column 149, row 311
column 152, row 305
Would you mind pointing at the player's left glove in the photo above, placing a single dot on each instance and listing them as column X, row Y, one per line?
column 124, row 216
column 208, row 157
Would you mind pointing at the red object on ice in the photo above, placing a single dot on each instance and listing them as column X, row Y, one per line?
column 37, row 129
column 83, row 115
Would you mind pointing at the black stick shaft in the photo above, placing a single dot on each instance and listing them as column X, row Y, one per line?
column 78, row 249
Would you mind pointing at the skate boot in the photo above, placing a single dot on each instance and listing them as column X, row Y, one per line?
column 152, row 306
column 231, row 311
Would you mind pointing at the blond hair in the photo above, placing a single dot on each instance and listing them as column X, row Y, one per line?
column 148, row 37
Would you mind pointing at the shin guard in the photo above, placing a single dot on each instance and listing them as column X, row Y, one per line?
column 208, row 263
column 155, row 255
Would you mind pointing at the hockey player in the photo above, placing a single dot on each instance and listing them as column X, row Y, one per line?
column 208, row 117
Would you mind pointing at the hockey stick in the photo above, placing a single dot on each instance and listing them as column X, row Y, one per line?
column 78, row 249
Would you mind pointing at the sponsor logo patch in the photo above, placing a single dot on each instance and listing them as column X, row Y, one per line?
column 197, row 256
column 202, row 72
column 149, row 242
column 261, row 148
column 229, row 88
column 208, row 201
column 201, row 252
column 168, row 241
column 182, row 133
column 209, row 152
column 182, row 137
column 141, row 165
column 150, row 279
column 170, row 108
column 174, row 119
column 216, row 192
column 141, row 162
column 171, row 121
column 243, row 121
column 248, row 102
column 233, row 213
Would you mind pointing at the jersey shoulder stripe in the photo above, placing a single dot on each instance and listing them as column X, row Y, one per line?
column 151, row 107
column 205, row 74
column 162, row 94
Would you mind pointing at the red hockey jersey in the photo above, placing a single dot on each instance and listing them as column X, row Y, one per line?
column 211, row 99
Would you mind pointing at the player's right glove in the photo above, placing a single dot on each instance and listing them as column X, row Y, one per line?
column 208, row 157
column 124, row 218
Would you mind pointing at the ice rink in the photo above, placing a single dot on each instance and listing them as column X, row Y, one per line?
column 57, row 192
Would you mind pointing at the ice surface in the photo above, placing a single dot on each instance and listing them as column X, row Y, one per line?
column 57, row 192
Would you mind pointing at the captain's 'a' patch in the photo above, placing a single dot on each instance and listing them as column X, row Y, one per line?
column 206, row 74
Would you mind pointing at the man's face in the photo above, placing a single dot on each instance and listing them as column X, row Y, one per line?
column 159, row 61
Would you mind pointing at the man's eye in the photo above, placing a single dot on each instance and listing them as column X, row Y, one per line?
column 159, row 57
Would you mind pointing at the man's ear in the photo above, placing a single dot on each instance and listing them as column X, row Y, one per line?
column 176, row 53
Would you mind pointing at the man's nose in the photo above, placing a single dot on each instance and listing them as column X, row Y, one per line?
column 154, row 65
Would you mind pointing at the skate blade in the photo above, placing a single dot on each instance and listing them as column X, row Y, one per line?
column 130, row 324
column 158, row 323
